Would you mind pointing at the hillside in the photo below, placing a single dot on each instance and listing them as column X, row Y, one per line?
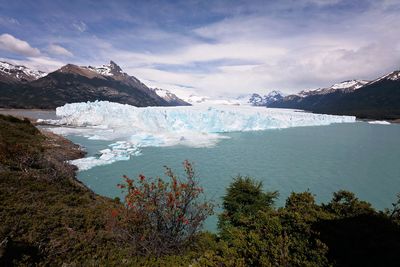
column 48, row 217
column 46, row 214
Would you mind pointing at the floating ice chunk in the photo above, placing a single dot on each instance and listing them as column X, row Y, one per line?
column 379, row 122
column 118, row 151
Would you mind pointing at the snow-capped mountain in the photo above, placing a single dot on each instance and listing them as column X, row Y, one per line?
column 378, row 99
column 171, row 98
column 111, row 69
column 258, row 100
column 10, row 73
column 392, row 76
column 72, row 83
column 272, row 97
column 346, row 87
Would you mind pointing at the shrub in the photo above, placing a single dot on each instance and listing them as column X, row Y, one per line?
column 257, row 234
column 346, row 204
column 161, row 218
column 244, row 198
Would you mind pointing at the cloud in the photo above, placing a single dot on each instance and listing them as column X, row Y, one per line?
column 42, row 63
column 59, row 50
column 80, row 26
column 228, row 47
column 8, row 21
column 11, row 44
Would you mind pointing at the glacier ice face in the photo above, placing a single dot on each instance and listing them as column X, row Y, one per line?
column 196, row 126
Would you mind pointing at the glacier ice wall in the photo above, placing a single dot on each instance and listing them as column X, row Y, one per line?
column 197, row 126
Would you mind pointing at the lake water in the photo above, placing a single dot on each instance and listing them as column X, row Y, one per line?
column 360, row 157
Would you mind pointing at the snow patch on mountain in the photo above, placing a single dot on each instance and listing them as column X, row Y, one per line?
column 355, row 84
column 393, row 76
column 170, row 97
column 20, row 72
column 111, row 69
column 258, row 100
column 346, row 86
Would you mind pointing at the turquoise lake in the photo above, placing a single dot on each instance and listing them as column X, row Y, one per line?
column 360, row 157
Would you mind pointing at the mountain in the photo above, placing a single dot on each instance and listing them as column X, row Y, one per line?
column 346, row 87
column 10, row 73
column 273, row 96
column 171, row 98
column 72, row 83
column 378, row 99
column 258, row 100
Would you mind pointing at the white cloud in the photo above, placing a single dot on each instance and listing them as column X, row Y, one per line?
column 8, row 21
column 276, row 53
column 286, row 49
column 80, row 26
column 42, row 63
column 59, row 50
column 11, row 44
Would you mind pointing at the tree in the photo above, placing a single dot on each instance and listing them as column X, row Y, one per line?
column 346, row 204
column 257, row 234
column 245, row 197
column 159, row 217
column 395, row 212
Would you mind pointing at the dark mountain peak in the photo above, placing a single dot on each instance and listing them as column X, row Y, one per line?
column 77, row 70
column 114, row 68
column 111, row 69
column 68, row 68
column 114, row 65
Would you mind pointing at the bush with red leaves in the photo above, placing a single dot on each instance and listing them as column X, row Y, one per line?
column 159, row 217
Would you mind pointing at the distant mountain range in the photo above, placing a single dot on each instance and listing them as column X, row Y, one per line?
column 259, row 100
column 21, row 87
column 377, row 99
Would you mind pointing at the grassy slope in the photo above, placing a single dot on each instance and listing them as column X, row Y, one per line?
column 46, row 215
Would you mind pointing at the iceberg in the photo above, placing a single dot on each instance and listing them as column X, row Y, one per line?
column 379, row 122
column 197, row 126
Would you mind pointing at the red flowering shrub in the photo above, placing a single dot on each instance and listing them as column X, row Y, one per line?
column 161, row 217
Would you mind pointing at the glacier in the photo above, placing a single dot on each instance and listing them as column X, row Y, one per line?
column 130, row 128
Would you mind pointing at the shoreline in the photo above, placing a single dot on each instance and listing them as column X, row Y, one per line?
column 63, row 150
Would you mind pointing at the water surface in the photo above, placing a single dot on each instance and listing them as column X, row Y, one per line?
column 360, row 157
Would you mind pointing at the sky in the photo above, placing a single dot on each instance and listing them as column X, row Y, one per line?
column 219, row 48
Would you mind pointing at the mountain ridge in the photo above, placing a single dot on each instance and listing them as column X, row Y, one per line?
column 73, row 83
column 377, row 99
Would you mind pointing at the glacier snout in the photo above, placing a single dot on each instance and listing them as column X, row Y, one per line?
column 197, row 126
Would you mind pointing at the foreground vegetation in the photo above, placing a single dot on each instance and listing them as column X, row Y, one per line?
column 48, row 218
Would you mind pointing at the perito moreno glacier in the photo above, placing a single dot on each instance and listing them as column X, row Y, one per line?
column 129, row 128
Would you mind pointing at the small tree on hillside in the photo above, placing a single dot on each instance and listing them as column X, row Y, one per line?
column 244, row 196
column 161, row 217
